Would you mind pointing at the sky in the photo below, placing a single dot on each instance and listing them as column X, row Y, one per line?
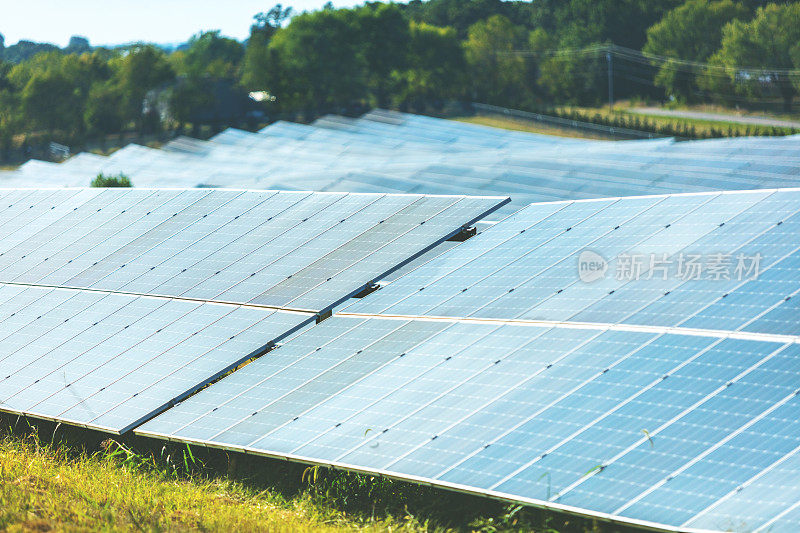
column 122, row 21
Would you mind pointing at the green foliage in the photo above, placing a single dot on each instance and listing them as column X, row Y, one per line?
column 769, row 43
column 497, row 74
column 209, row 54
column 436, row 67
column 120, row 180
column 415, row 55
column 142, row 68
column 692, row 32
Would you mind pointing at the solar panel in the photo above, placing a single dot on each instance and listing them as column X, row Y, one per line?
column 528, row 266
column 115, row 303
column 641, row 425
column 282, row 249
column 110, row 361
column 471, row 373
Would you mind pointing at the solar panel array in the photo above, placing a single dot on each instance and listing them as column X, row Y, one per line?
column 495, row 369
column 402, row 153
column 116, row 303
column 627, row 357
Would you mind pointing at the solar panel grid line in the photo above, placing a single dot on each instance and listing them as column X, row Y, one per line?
column 739, row 488
column 663, row 426
column 410, row 380
column 352, row 384
column 125, row 231
column 395, row 264
column 780, row 302
column 498, row 244
column 564, row 258
column 101, row 243
column 742, row 284
column 396, row 210
column 142, row 362
column 604, row 326
column 250, row 233
column 61, row 240
column 91, row 252
column 364, row 377
column 20, row 224
column 594, row 422
column 255, row 385
column 646, row 268
column 142, row 244
column 332, row 226
column 707, row 452
column 668, row 289
column 289, row 392
column 193, row 240
column 41, row 332
column 211, row 378
column 174, row 319
column 767, row 526
column 524, row 421
column 52, row 227
column 460, row 384
column 656, row 237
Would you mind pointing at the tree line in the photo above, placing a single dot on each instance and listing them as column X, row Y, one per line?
column 414, row 56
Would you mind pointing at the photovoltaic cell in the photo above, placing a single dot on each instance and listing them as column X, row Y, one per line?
column 115, row 303
column 493, row 368
column 643, row 426
column 280, row 249
column 110, row 361
column 527, row 267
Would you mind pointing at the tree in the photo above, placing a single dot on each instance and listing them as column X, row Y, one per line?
column 49, row 101
column 78, row 45
column 457, row 14
column 209, row 54
column 498, row 75
column 141, row 69
column 384, row 34
column 320, row 60
column 260, row 62
column 768, row 45
column 692, row 32
column 436, row 66
column 119, row 180
column 104, row 109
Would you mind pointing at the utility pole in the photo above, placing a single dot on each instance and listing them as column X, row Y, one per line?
column 610, row 62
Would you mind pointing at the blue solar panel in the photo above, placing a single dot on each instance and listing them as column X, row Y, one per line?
column 527, row 267
column 281, row 249
column 639, row 425
column 111, row 361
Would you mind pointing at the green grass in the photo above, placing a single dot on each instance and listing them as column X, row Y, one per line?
column 702, row 127
column 510, row 123
column 61, row 484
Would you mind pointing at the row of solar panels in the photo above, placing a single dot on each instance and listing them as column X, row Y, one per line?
column 392, row 152
column 645, row 393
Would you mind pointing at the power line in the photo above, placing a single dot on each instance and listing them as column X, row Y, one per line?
column 598, row 50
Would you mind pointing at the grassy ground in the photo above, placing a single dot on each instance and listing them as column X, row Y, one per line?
column 510, row 123
column 89, row 484
column 702, row 127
